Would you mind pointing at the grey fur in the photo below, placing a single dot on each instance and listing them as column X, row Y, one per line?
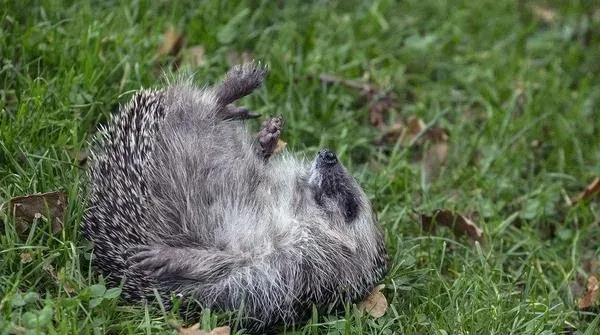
column 181, row 200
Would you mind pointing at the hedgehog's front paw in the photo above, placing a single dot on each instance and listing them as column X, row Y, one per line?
column 154, row 260
column 269, row 135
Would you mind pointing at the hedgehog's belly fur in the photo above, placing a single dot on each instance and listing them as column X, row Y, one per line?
column 180, row 202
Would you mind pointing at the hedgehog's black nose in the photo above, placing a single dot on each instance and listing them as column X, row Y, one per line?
column 327, row 157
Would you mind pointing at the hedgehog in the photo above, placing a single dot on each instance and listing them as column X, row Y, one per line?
column 183, row 200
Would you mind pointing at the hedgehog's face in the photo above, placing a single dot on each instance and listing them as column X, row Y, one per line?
column 335, row 191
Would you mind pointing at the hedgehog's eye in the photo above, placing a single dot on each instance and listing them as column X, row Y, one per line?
column 350, row 208
column 339, row 199
column 332, row 187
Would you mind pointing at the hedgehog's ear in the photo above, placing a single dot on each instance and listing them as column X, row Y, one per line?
column 240, row 81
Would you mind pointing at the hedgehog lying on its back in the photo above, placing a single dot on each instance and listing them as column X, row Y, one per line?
column 184, row 201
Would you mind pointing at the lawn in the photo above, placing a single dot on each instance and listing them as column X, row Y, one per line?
column 511, row 88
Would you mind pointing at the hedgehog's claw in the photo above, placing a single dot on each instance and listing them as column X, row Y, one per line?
column 269, row 135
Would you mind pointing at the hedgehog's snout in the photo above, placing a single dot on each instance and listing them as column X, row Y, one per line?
column 326, row 158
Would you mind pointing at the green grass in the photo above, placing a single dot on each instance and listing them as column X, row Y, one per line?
column 493, row 74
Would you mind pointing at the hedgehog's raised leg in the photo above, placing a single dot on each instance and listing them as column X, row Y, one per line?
column 269, row 135
column 162, row 261
column 240, row 81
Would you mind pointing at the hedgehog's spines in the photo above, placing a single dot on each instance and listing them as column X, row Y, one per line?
column 179, row 201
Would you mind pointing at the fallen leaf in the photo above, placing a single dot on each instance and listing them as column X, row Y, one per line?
column 218, row 331
column 590, row 297
column 415, row 127
column 542, row 13
column 460, row 224
column 28, row 208
column 436, row 152
column 589, row 191
column 375, row 304
column 195, row 330
column 397, row 132
column 172, row 42
column 25, row 258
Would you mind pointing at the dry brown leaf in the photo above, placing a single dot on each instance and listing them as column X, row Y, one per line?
column 195, row 330
column 28, row 208
column 460, row 224
column 394, row 133
column 375, row 304
column 542, row 13
column 172, row 42
column 589, row 191
column 407, row 133
column 415, row 127
column 25, row 258
column 590, row 297
column 218, row 331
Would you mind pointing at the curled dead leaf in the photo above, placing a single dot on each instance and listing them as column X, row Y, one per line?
column 435, row 139
column 26, row 209
column 375, row 304
column 391, row 135
column 590, row 297
column 460, row 224
column 415, row 127
column 589, row 191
